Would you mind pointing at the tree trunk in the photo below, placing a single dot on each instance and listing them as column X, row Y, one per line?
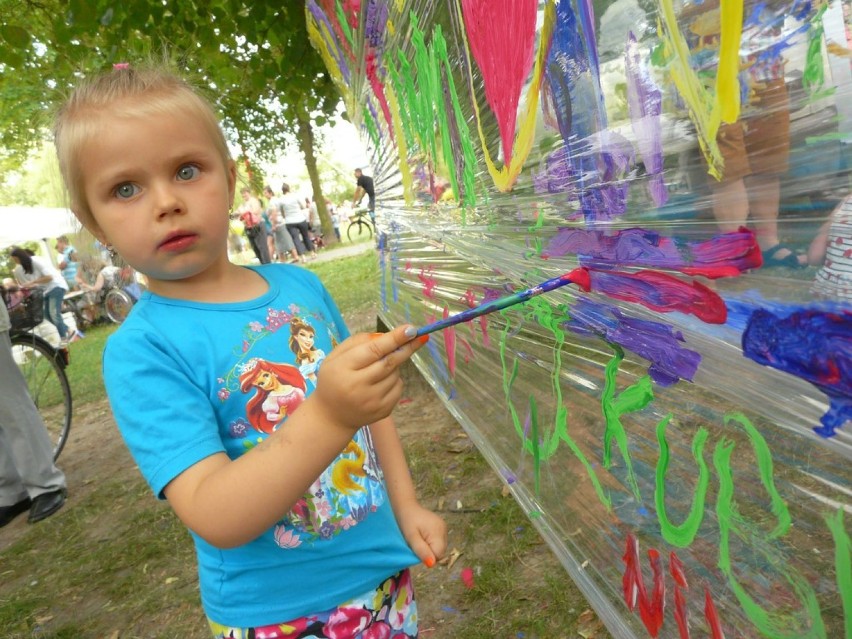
column 306, row 144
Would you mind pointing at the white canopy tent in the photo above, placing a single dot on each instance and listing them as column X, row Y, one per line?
column 34, row 223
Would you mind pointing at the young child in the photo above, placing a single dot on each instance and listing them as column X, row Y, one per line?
column 304, row 519
column 831, row 250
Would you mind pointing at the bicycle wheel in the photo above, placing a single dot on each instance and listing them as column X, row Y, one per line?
column 359, row 230
column 43, row 368
column 117, row 304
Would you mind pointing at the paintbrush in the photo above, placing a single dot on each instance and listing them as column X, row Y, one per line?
column 579, row 276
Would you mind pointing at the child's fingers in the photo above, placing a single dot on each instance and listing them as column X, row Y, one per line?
column 378, row 346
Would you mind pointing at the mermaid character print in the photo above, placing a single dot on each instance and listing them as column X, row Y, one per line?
column 346, row 492
column 279, row 389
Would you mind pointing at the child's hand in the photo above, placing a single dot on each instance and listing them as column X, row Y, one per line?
column 424, row 531
column 359, row 382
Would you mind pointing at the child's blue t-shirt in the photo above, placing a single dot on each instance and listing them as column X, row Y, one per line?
column 181, row 382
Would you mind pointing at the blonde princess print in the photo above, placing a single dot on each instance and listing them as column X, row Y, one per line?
column 308, row 356
column 279, row 389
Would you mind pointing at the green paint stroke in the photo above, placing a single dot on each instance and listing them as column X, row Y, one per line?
column 775, row 626
column 468, row 196
column 843, row 566
column 633, row 398
column 535, row 446
column 767, row 477
column 683, row 535
column 560, row 430
column 344, row 23
column 813, row 76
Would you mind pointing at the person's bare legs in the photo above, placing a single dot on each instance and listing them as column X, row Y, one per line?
column 764, row 191
column 730, row 205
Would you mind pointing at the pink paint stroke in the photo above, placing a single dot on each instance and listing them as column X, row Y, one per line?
column 429, row 282
column 502, row 34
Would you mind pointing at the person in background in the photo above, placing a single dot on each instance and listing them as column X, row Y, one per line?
column 35, row 272
column 831, row 250
column 290, row 529
column 67, row 261
column 29, row 480
column 335, row 221
column 283, row 242
column 250, row 213
column 364, row 186
column 297, row 223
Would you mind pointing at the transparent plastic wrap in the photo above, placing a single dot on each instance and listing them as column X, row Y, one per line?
column 680, row 433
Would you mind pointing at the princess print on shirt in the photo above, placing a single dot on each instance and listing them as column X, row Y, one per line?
column 279, row 390
column 308, row 356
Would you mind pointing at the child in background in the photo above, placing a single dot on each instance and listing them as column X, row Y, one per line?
column 831, row 250
column 298, row 497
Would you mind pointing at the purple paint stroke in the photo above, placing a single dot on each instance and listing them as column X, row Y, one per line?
column 813, row 345
column 555, row 174
column 727, row 254
column 374, row 27
column 656, row 342
column 333, row 45
column 644, row 103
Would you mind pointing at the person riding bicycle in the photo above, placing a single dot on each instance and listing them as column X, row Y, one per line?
column 364, row 186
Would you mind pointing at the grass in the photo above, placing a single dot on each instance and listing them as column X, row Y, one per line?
column 117, row 564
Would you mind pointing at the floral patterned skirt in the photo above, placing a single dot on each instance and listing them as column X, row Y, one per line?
column 388, row 612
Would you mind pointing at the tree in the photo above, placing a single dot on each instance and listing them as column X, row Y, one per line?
column 254, row 60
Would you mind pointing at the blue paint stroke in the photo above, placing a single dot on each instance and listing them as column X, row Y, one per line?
column 810, row 344
column 658, row 343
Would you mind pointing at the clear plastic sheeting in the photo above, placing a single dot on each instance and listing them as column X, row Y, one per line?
column 680, row 433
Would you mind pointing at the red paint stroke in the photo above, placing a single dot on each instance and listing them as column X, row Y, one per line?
column 502, row 34
column 408, row 265
column 450, row 345
column 467, row 577
column 712, row 616
column 329, row 7
column 429, row 282
column 379, row 90
column 662, row 292
column 679, row 576
column 633, row 585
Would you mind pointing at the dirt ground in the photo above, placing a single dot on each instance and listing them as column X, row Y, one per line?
column 95, row 452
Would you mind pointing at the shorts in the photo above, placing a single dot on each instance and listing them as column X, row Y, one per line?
column 386, row 611
column 758, row 143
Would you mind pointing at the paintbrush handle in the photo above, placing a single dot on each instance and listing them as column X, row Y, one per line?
column 578, row 276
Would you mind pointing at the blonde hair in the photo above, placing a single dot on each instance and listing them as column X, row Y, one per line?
column 147, row 91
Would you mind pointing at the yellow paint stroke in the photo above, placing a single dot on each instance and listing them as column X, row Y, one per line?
column 391, row 28
column 320, row 36
column 708, row 109
column 402, row 147
column 505, row 177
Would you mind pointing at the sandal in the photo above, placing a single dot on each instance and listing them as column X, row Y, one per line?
column 791, row 260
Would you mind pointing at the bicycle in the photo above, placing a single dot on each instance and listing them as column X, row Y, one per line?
column 360, row 228
column 43, row 368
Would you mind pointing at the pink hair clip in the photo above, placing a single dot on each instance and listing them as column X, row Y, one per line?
column 121, row 65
